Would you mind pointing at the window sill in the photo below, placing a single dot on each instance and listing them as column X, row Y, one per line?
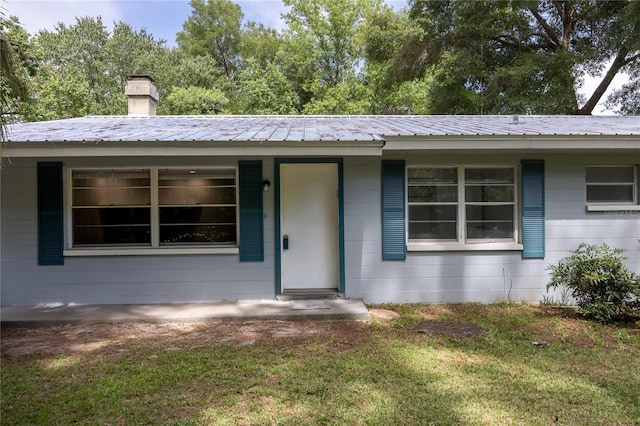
column 613, row 207
column 504, row 246
column 160, row 251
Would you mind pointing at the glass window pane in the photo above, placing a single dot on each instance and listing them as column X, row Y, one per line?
column 110, row 182
column 195, row 215
column 110, row 178
column 111, row 216
column 117, row 226
column 433, row 194
column 433, row 222
column 489, row 230
column 432, row 231
column 197, row 174
column 481, row 212
column 180, row 225
column 115, row 235
column 197, row 195
column 165, row 182
column 489, row 175
column 111, row 187
column 197, row 186
column 111, row 197
column 433, row 175
column 489, row 193
column 489, row 222
column 104, row 207
column 433, row 213
column 609, row 174
column 194, row 234
column 610, row 193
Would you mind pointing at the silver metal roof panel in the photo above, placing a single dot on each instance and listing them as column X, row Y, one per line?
column 314, row 128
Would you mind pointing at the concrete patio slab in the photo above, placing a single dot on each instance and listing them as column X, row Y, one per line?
column 322, row 310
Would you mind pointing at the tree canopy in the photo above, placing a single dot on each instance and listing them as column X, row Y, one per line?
column 519, row 56
column 336, row 57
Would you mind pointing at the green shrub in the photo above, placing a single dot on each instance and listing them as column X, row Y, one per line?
column 602, row 286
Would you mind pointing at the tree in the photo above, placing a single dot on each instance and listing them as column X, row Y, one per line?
column 349, row 97
column 627, row 58
column 52, row 98
column 194, row 100
column 128, row 52
column 265, row 90
column 259, row 43
column 323, row 46
column 214, row 28
column 76, row 53
column 85, row 68
column 17, row 62
column 518, row 56
column 391, row 93
column 627, row 99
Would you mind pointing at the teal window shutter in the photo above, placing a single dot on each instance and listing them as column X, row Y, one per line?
column 532, row 195
column 50, row 214
column 393, row 210
column 251, row 222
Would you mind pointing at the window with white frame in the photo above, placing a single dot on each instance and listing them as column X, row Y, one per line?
column 153, row 207
column 461, row 204
column 611, row 185
column 197, row 206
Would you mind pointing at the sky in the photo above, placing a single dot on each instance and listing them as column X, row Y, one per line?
column 164, row 18
column 161, row 18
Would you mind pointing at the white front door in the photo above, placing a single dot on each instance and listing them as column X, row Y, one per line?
column 309, row 226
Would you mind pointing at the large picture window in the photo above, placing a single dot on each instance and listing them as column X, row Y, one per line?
column 153, row 207
column 461, row 204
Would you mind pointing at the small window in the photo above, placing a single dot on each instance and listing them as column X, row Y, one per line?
column 611, row 185
column 461, row 204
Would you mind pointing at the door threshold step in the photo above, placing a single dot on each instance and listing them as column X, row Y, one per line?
column 309, row 295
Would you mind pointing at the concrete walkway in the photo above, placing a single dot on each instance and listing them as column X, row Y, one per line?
column 294, row 310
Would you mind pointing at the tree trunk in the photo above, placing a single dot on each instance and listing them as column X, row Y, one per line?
column 617, row 63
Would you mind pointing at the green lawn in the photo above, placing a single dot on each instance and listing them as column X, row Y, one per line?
column 579, row 373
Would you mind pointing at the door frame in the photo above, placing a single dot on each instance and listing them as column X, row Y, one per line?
column 278, row 236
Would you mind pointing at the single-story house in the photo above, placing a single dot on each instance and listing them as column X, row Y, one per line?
column 156, row 209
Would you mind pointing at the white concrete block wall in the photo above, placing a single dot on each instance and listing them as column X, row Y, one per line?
column 568, row 223
column 483, row 276
column 119, row 279
column 436, row 277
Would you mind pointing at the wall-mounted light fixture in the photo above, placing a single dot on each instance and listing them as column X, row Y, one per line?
column 266, row 185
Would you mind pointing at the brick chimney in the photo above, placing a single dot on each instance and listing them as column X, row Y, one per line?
column 142, row 95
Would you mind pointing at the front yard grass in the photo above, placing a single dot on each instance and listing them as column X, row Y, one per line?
column 529, row 365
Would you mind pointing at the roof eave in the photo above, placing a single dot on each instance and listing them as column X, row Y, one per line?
column 66, row 149
column 513, row 143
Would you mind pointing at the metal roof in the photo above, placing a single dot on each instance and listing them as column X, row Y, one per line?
column 314, row 128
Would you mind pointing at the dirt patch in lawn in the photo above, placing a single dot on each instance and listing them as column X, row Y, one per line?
column 87, row 337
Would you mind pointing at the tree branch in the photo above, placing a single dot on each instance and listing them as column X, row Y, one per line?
column 558, row 5
column 554, row 38
column 631, row 59
column 567, row 23
column 511, row 41
column 586, row 12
